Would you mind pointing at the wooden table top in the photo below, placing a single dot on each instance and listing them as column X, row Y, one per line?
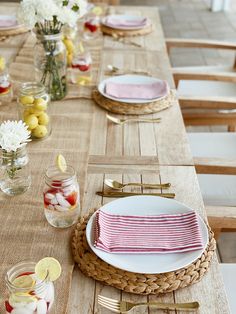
column 133, row 152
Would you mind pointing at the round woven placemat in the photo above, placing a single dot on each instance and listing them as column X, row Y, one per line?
column 92, row 266
column 126, row 33
column 128, row 108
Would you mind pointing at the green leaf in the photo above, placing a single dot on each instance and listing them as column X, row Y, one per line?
column 65, row 3
column 75, row 8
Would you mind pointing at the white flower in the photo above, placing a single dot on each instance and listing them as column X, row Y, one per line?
column 13, row 135
column 32, row 12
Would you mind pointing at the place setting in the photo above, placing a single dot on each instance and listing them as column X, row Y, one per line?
column 125, row 25
column 143, row 244
column 133, row 94
column 9, row 25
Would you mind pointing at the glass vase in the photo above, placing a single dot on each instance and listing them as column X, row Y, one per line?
column 15, row 173
column 50, row 64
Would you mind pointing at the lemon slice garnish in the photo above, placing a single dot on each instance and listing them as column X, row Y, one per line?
column 19, row 297
column 97, row 10
column 25, row 281
column 61, row 163
column 48, row 268
column 81, row 47
column 83, row 80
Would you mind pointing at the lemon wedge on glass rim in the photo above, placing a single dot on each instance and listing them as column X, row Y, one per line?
column 48, row 269
column 61, row 163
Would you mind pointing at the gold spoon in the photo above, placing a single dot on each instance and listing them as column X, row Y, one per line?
column 118, row 185
column 115, row 70
column 122, row 121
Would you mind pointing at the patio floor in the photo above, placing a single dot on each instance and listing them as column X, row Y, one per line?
column 193, row 19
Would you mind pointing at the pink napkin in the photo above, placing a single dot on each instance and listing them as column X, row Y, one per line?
column 7, row 22
column 147, row 234
column 137, row 91
column 113, row 21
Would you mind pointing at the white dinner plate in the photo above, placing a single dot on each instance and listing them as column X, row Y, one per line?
column 153, row 263
column 130, row 79
column 11, row 22
column 125, row 17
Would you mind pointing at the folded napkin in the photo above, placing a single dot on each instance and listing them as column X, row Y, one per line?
column 9, row 22
column 147, row 234
column 114, row 21
column 137, row 91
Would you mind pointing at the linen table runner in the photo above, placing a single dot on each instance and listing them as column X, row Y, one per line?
column 173, row 233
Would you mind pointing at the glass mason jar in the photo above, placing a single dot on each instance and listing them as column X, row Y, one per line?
column 61, row 197
column 91, row 26
column 5, row 86
column 15, row 172
column 37, row 298
column 33, row 108
column 81, row 67
column 50, row 64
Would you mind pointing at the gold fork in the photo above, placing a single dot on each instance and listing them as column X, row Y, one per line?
column 122, row 121
column 124, row 306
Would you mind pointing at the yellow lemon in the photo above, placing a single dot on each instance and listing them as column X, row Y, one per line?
column 69, row 58
column 43, row 118
column 40, row 131
column 84, row 80
column 2, row 63
column 31, row 121
column 40, row 104
column 61, row 163
column 69, row 45
column 48, row 268
column 25, row 100
column 24, row 281
column 26, row 112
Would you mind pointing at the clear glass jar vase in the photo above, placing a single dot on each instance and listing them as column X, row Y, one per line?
column 50, row 64
column 81, row 67
column 61, row 197
column 36, row 298
column 34, row 109
column 15, row 172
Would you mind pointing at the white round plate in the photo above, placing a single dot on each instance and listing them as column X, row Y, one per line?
column 125, row 17
column 130, row 79
column 147, row 263
column 12, row 18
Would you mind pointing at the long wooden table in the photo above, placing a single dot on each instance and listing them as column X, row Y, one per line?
column 133, row 152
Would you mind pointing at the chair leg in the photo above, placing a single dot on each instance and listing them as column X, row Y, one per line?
column 217, row 232
column 231, row 128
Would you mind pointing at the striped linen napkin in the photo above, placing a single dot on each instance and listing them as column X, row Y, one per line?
column 147, row 234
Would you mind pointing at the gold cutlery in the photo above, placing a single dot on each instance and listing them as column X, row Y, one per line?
column 124, row 194
column 125, row 307
column 125, row 40
column 122, row 121
column 118, row 71
column 118, row 185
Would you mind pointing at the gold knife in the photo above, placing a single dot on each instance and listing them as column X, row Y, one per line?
column 124, row 194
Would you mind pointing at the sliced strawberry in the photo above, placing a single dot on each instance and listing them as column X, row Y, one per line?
column 4, row 89
column 72, row 198
column 8, row 307
column 91, row 27
column 56, row 183
column 81, row 67
column 27, row 273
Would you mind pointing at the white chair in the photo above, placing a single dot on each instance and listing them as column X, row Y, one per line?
column 215, row 162
column 229, row 277
column 205, row 90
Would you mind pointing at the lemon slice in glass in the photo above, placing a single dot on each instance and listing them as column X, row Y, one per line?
column 25, row 281
column 97, row 10
column 61, row 163
column 48, row 268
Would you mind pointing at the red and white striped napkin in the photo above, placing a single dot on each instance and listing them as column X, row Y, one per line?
column 147, row 234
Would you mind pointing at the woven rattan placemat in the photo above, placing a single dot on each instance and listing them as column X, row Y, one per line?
column 126, row 33
column 92, row 266
column 128, row 108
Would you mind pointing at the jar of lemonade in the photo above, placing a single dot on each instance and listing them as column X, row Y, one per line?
column 61, row 197
column 27, row 294
column 5, row 83
column 33, row 104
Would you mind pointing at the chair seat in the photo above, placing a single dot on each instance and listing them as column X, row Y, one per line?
column 229, row 277
column 206, row 88
column 219, row 145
